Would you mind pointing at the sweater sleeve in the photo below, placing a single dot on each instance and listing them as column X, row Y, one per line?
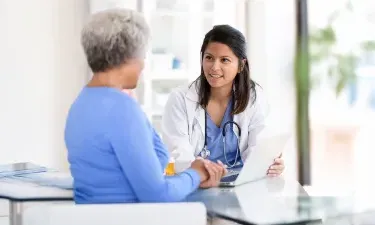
column 132, row 142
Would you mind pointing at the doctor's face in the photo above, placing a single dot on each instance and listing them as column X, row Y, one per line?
column 220, row 64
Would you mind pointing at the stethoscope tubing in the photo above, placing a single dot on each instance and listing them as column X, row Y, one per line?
column 205, row 153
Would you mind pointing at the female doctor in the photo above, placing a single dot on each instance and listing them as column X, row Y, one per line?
column 219, row 115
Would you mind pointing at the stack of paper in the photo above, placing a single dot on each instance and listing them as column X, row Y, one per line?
column 15, row 169
column 51, row 179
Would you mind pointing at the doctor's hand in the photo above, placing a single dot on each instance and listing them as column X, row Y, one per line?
column 276, row 168
column 216, row 171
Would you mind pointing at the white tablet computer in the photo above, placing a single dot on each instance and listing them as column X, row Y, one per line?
column 258, row 161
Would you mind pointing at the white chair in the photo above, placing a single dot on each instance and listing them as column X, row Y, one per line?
column 117, row 214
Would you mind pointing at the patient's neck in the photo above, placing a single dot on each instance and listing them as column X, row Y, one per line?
column 105, row 79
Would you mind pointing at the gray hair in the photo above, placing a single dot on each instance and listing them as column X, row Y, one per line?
column 112, row 37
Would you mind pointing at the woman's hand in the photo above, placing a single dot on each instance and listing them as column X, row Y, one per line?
column 199, row 166
column 277, row 168
column 216, row 171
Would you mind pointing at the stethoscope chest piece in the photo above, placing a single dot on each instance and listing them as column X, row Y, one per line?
column 205, row 153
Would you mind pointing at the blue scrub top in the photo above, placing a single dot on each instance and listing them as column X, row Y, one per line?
column 215, row 142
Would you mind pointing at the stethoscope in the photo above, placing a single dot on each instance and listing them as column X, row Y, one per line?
column 205, row 153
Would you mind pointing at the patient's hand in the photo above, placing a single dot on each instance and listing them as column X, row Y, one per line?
column 276, row 168
column 216, row 171
column 199, row 166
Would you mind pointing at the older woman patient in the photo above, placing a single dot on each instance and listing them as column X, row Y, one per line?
column 114, row 153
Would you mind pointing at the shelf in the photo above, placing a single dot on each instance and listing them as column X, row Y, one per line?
column 168, row 75
column 157, row 112
column 172, row 5
column 153, row 111
column 162, row 13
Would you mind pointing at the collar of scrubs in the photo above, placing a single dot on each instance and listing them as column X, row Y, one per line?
column 211, row 125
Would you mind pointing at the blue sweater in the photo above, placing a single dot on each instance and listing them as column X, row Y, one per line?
column 115, row 155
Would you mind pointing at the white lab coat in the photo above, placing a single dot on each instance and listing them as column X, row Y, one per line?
column 183, row 125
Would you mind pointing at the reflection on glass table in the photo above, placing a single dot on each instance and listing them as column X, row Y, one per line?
column 279, row 201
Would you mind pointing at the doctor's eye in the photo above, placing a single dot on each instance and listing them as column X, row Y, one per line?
column 225, row 60
column 208, row 57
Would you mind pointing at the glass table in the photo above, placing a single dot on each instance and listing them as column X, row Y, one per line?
column 269, row 201
column 282, row 201
column 19, row 192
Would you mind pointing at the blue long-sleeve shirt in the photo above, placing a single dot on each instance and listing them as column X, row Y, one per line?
column 115, row 155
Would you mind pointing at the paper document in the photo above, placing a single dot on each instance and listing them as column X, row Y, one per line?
column 52, row 179
column 13, row 169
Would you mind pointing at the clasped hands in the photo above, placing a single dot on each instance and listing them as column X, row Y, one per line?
column 211, row 172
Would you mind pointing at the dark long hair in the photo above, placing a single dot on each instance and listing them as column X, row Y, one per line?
column 243, row 84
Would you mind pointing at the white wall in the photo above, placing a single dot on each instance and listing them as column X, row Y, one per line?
column 42, row 69
column 271, row 36
column 98, row 5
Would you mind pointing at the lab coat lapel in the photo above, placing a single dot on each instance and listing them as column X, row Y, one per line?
column 194, row 110
column 200, row 115
column 240, row 120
